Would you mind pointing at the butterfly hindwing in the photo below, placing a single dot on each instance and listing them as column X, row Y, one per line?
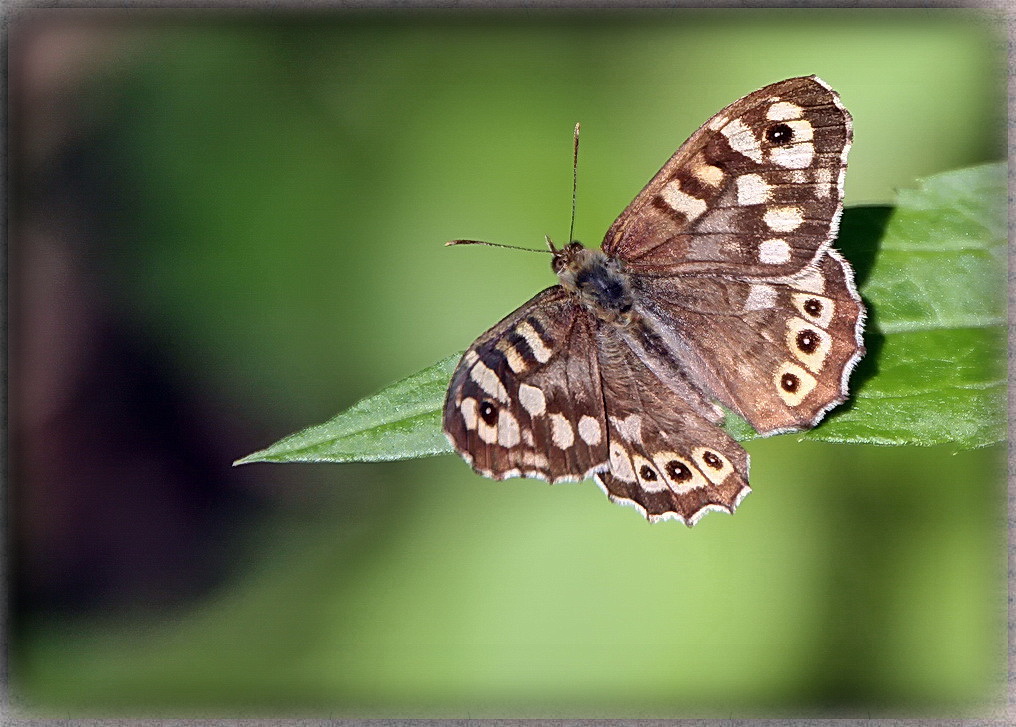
column 755, row 192
column 668, row 457
column 779, row 351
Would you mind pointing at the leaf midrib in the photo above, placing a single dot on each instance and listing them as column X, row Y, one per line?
column 952, row 325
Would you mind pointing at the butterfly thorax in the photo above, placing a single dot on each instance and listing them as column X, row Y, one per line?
column 597, row 281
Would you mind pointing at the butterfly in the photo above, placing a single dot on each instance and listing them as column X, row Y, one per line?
column 716, row 284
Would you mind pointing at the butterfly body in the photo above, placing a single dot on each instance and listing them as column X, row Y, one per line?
column 596, row 281
column 716, row 284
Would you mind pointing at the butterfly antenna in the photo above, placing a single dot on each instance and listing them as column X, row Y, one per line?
column 550, row 243
column 493, row 244
column 574, row 181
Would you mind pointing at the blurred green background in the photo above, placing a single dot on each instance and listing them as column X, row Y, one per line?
column 226, row 227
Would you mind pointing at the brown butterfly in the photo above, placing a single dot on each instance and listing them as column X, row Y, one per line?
column 717, row 283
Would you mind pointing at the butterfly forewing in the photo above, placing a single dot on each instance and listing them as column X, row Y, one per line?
column 755, row 192
column 525, row 399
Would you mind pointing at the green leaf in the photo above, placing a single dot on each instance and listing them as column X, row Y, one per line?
column 932, row 273
column 402, row 421
column 934, row 282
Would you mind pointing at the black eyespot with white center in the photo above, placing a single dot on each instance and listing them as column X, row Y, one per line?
column 678, row 471
column 648, row 473
column 807, row 341
column 779, row 134
column 488, row 412
column 712, row 460
column 790, row 383
column 813, row 307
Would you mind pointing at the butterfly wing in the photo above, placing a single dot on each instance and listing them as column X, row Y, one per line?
column 776, row 351
column 668, row 457
column 525, row 399
column 551, row 392
column 755, row 192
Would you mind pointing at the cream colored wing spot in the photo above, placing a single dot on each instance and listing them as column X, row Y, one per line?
column 743, row 140
column 810, row 280
column 468, row 409
column 648, row 477
column 590, row 431
column 794, row 156
column 809, row 343
column 712, row 464
column 793, row 383
column 815, row 308
column 784, row 111
column 532, row 458
column 680, row 473
column 802, row 129
column 470, row 357
column 630, row 427
column 752, row 189
column 487, row 380
column 824, row 182
column 760, row 297
column 561, row 432
column 783, row 219
column 532, row 400
column 508, row 433
column 536, row 344
column 620, row 463
column 679, row 201
column 487, row 432
column 774, row 252
column 708, row 174
column 516, row 361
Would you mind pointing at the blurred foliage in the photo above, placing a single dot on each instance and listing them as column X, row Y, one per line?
column 281, row 187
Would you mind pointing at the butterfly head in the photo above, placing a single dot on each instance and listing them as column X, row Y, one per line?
column 597, row 281
column 568, row 256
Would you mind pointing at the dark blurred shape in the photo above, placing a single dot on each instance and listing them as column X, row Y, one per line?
column 120, row 484
column 861, row 230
